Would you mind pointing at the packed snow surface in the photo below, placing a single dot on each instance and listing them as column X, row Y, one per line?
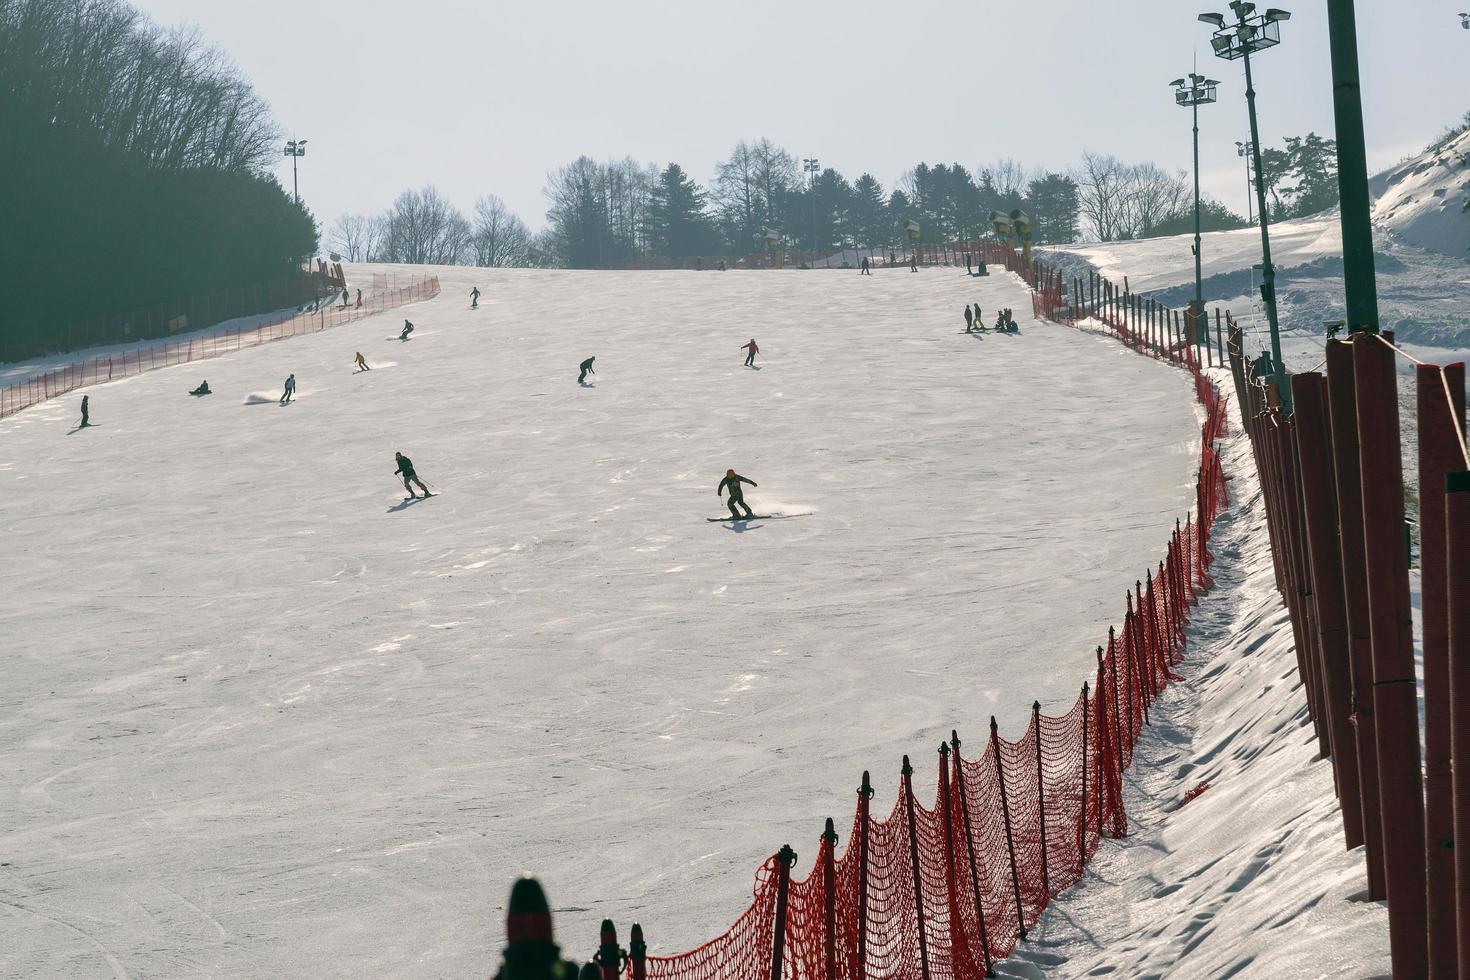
column 263, row 716
column 1252, row 877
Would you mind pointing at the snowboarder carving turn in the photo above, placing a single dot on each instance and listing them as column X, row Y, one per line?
column 751, row 350
column 410, row 478
column 407, row 329
column 586, row 367
column 290, row 390
column 475, row 298
column 362, row 364
column 732, row 483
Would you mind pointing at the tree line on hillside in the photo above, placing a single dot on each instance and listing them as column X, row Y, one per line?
column 137, row 170
column 621, row 211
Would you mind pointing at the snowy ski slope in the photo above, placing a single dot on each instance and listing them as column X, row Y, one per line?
column 261, row 717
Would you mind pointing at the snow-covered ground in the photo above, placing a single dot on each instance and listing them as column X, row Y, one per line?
column 14, row 371
column 261, row 716
column 1251, row 878
column 1423, row 270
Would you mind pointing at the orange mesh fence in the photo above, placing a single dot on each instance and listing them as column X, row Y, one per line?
column 59, row 381
column 943, row 890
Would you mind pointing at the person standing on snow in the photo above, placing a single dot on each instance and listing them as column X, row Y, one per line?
column 345, row 297
column 359, row 299
column 84, row 422
column 866, row 271
column 410, row 478
column 750, row 351
column 362, row 364
column 969, row 319
column 732, row 483
column 290, row 390
column 475, row 298
column 586, row 367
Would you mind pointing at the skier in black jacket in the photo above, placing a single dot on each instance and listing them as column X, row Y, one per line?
column 732, row 483
column 405, row 468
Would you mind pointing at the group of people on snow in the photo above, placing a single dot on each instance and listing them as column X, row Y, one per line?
column 975, row 320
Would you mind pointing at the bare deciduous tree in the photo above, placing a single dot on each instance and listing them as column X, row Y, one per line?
column 1101, row 195
column 423, row 228
column 498, row 237
column 358, row 237
column 1153, row 195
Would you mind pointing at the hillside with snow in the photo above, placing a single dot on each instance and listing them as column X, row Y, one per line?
column 1422, row 201
column 267, row 716
column 1422, row 259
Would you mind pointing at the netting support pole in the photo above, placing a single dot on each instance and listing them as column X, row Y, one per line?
column 1112, row 667
column 1457, row 580
column 1130, row 654
column 829, row 899
column 1440, row 413
column 951, row 885
column 1342, row 409
column 1041, row 796
column 785, row 858
column 1391, row 630
column 865, row 798
column 908, row 792
column 959, row 778
column 1314, row 453
column 1082, row 808
column 1005, row 812
column 1155, row 635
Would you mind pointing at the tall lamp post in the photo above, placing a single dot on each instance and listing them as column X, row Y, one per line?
column 294, row 149
column 1244, row 150
column 1359, row 284
column 810, row 165
column 1253, row 32
column 1192, row 94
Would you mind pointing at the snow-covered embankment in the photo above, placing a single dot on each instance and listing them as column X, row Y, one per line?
column 1251, row 877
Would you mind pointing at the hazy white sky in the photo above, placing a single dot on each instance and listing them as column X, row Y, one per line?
column 487, row 96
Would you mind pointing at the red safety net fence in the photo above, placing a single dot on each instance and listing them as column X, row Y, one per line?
column 59, row 381
column 945, row 888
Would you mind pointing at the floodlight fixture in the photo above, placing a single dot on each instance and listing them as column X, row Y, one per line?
column 1252, row 33
column 1190, row 94
column 295, row 149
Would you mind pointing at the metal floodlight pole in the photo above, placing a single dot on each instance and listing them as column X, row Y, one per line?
column 1352, row 170
column 295, row 149
column 1256, row 32
column 810, row 165
column 1199, row 91
column 1242, row 150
